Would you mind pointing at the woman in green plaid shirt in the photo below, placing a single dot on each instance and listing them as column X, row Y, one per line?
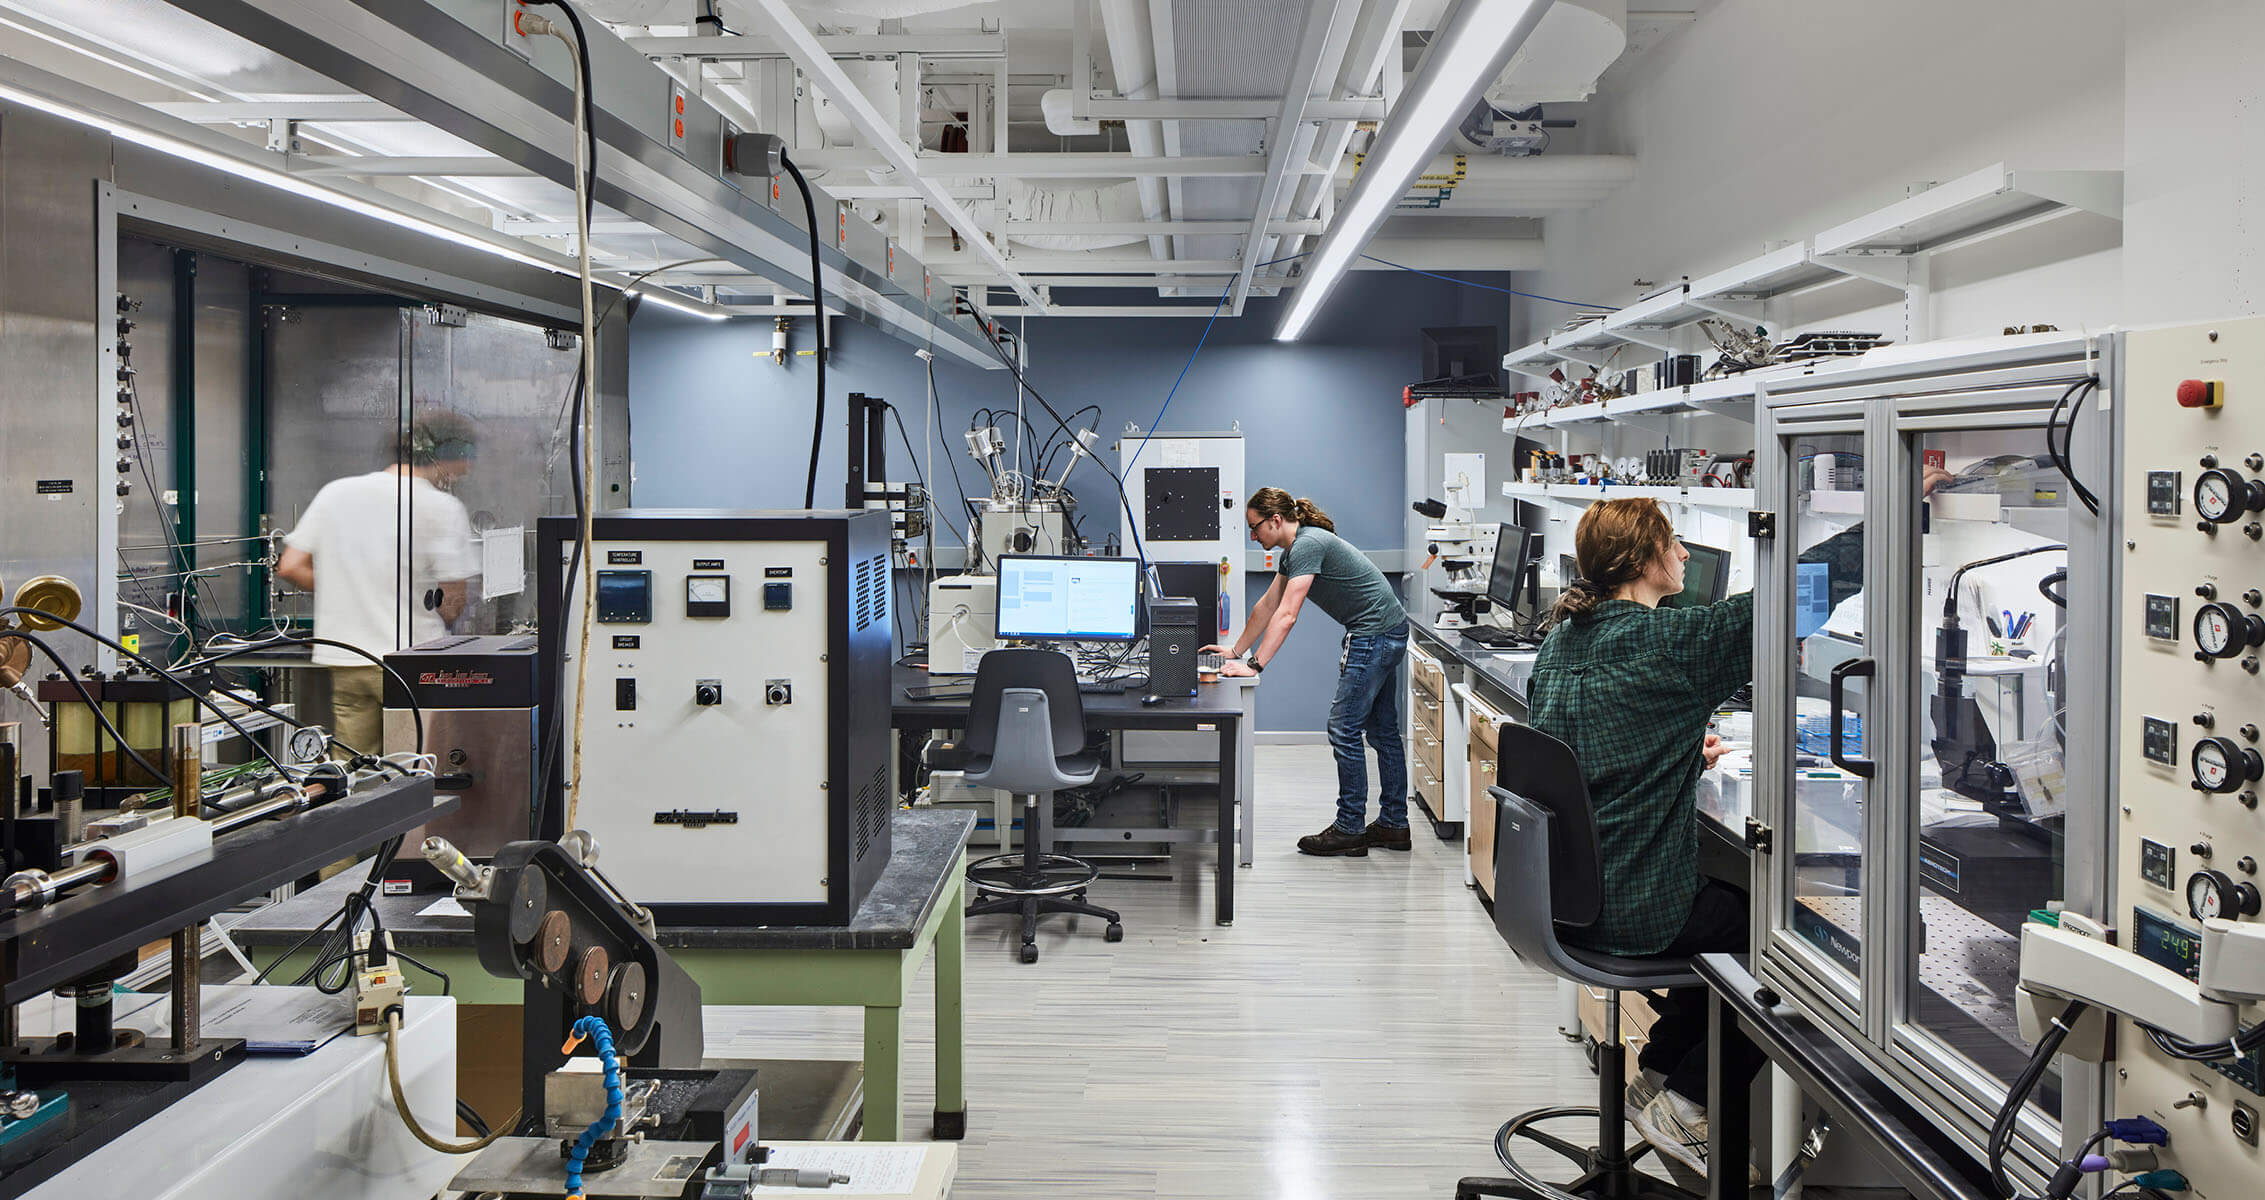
column 1630, row 687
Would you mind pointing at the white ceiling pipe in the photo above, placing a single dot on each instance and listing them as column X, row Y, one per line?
column 1132, row 58
column 1487, row 170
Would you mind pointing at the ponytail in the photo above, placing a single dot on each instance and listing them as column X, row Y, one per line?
column 1615, row 543
column 1274, row 502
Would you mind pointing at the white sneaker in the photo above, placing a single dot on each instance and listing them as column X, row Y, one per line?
column 1676, row 1128
column 1641, row 1090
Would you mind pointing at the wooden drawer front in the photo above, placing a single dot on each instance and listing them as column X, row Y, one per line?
column 1428, row 712
column 1484, row 722
column 1424, row 670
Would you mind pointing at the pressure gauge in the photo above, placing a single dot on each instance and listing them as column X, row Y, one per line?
column 2214, row 895
column 2224, row 765
column 2223, row 631
column 309, row 745
column 2222, row 496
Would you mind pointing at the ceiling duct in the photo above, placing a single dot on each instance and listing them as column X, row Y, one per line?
column 1560, row 63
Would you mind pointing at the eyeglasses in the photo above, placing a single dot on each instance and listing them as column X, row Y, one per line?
column 1257, row 525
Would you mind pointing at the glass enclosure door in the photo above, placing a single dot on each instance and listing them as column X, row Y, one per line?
column 1989, row 798
column 1825, row 727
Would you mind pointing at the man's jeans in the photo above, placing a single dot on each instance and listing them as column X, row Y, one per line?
column 1368, row 702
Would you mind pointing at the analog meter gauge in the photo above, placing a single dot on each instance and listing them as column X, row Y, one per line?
column 2223, row 631
column 2214, row 895
column 707, row 595
column 2224, row 765
column 2221, row 496
column 309, row 745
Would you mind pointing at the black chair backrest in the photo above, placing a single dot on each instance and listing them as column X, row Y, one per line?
column 1542, row 771
column 1049, row 671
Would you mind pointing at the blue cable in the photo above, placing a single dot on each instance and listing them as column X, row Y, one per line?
column 601, row 1038
column 1156, row 424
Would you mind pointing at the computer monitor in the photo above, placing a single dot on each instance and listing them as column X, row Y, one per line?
column 1568, row 570
column 1513, row 560
column 1705, row 578
column 1812, row 597
column 1043, row 598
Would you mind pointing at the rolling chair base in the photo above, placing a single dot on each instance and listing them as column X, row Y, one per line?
column 1055, row 884
column 1598, row 1178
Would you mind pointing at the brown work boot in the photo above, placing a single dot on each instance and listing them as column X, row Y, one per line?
column 1335, row 842
column 1385, row 837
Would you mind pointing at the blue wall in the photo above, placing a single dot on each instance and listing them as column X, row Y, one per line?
column 717, row 424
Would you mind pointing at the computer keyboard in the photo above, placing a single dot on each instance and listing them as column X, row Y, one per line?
column 1488, row 635
column 1210, row 662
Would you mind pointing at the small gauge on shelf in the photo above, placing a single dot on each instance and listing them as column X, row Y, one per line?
column 309, row 745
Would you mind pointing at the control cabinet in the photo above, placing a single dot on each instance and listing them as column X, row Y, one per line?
column 2191, row 703
column 735, row 735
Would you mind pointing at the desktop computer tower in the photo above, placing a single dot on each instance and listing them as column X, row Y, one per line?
column 735, row 737
column 1175, row 629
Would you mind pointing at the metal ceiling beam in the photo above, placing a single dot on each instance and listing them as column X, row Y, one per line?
column 482, row 166
column 1292, row 141
column 423, row 58
column 1356, row 108
column 1039, row 265
column 875, row 129
column 749, row 47
column 231, row 112
column 1227, row 228
column 1049, row 166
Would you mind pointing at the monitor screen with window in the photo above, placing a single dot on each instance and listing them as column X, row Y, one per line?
column 1513, row 558
column 1706, row 577
column 1066, row 599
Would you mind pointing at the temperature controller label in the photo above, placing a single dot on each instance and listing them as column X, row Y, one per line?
column 2162, row 493
column 2162, row 617
column 2158, row 740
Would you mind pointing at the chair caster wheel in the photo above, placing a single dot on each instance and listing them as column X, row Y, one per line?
column 1030, row 954
column 1115, row 933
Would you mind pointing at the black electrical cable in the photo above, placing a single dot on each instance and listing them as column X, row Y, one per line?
column 471, row 1117
column 416, row 710
column 2001, row 1129
column 589, row 107
column 818, row 318
column 2045, row 588
column 351, row 910
column 2058, row 448
column 1950, row 598
column 93, row 706
column 913, row 456
column 1132, row 521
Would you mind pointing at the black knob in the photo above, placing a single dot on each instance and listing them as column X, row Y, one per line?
column 2254, row 530
column 2209, row 460
column 2199, row 849
column 125, row 465
column 2207, row 527
column 2247, row 899
column 2250, row 732
column 2250, row 664
column 2208, row 591
column 707, row 694
column 2249, row 800
column 2205, row 720
column 125, row 488
column 2247, row 865
column 125, row 442
column 125, row 419
column 125, row 326
column 2255, row 462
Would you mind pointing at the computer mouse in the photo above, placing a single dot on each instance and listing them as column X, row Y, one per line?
column 1151, row 700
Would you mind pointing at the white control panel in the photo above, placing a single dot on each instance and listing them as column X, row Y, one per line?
column 2190, row 710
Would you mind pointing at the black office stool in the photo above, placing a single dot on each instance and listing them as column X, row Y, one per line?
column 1025, row 736
column 1549, row 875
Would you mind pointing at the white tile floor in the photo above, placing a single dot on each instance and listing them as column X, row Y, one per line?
column 1360, row 1031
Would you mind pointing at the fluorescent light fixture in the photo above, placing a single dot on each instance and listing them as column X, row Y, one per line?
column 280, row 180
column 1464, row 60
column 669, row 299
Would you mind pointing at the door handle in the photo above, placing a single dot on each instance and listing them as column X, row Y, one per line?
column 1861, row 667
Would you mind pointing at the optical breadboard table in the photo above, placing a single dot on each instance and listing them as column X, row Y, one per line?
column 917, row 907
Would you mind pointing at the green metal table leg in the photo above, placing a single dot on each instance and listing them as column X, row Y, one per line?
column 884, row 1073
column 951, row 1014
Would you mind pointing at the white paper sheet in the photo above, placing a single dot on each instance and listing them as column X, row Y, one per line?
column 872, row 1170
column 1464, row 480
column 446, row 906
column 503, row 561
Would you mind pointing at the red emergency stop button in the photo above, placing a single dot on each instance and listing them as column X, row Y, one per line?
column 2201, row 393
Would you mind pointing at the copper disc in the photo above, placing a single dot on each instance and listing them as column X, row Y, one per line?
column 628, row 996
column 590, row 975
column 15, row 659
column 552, row 943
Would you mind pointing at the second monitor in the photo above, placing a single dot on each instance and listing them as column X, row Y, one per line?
column 1706, row 578
column 1068, row 599
column 1514, row 567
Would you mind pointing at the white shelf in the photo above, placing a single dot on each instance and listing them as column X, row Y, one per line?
column 1732, row 396
column 1992, row 200
column 1584, row 493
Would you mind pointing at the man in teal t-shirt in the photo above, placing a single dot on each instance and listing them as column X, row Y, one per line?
column 1343, row 583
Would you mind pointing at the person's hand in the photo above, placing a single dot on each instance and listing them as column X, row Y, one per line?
column 1713, row 750
column 1221, row 651
column 1932, row 477
column 1235, row 666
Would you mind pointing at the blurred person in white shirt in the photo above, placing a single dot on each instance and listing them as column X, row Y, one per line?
column 393, row 551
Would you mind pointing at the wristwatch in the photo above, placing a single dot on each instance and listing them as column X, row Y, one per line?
column 1251, row 660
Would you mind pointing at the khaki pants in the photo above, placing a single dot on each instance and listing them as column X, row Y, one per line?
column 357, row 708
